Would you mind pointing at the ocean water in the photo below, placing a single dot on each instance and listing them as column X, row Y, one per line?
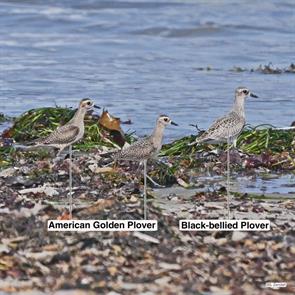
column 139, row 59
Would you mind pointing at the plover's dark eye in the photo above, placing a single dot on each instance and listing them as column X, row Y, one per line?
column 89, row 103
column 166, row 119
column 245, row 91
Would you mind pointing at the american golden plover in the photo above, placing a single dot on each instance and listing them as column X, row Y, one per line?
column 66, row 135
column 145, row 149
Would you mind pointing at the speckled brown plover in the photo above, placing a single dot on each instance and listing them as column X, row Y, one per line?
column 66, row 135
column 145, row 149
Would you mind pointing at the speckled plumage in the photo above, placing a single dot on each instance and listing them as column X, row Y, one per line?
column 69, row 133
column 64, row 136
column 230, row 126
column 148, row 147
column 141, row 150
column 227, row 129
column 145, row 149
column 61, row 136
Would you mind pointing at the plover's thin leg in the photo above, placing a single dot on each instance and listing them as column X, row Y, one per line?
column 138, row 172
column 59, row 152
column 144, row 189
column 235, row 146
column 228, row 178
column 70, row 183
column 149, row 178
column 57, row 157
column 235, row 143
column 154, row 182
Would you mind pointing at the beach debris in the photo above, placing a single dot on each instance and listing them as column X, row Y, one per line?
column 182, row 183
column 6, row 142
column 263, row 69
column 146, row 238
column 168, row 261
column 118, row 261
column 8, row 172
column 113, row 125
column 238, row 236
column 48, row 191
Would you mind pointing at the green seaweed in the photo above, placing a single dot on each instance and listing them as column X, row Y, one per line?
column 37, row 123
column 257, row 140
column 253, row 140
column 40, row 122
column 4, row 118
column 6, row 156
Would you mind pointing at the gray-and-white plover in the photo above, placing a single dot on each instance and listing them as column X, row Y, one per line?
column 66, row 135
column 228, row 128
column 145, row 149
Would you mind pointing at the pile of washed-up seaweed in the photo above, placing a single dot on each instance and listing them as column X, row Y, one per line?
column 41, row 122
column 268, row 69
column 262, row 145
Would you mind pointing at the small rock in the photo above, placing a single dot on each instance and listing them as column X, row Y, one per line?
column 103, row 169
column 4, row 249
column 238, row 236
column 92, row 167
column 133, row 199
column 146, row 238
column 48, row 191
column 209, row 240
column 163, row 281
column 221, row 241
column 213, row 205
column 182, row 183
column 169, row 266
column 7, row 172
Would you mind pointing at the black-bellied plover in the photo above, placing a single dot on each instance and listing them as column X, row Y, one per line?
column 145, row 149
column 66, row 135
column 228, row 128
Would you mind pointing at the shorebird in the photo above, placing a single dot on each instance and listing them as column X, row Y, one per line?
column 227, row 128
column 66, row 135
column 69, row 133
column 145, row 149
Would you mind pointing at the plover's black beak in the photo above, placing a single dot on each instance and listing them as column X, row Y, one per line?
column 253, row 95
column 173, row 123
column 96, row 107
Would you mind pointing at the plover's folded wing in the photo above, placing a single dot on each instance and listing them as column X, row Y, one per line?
column 63, row 135
column 138, row 151
column 228, row 126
